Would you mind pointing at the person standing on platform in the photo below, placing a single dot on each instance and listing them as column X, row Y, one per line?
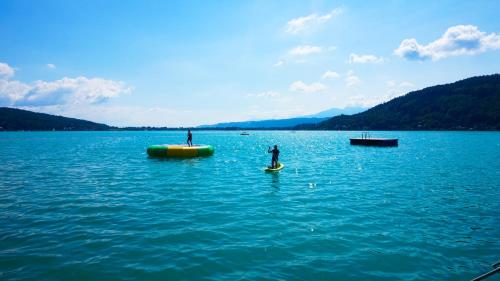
column 190, row 138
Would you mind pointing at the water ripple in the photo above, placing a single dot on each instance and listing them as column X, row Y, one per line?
column 92, row 205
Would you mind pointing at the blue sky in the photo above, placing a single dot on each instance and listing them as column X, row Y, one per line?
column 186, row 63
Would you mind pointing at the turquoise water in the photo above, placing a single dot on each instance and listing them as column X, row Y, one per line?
column 93, row 206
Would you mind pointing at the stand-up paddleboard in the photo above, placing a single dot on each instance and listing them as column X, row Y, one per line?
column 277, row 169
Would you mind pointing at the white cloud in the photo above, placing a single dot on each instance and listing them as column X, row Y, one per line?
column 73, row 90
column 299, row 54
column 330, row 75
column 299, row 86
column 405, row 84
column 391, row 83
column 51, row 66
column 6, row 71
column 397, row 89
column 363, row 101
column 456, row 41
column 351, row 79
column 279, row 63
column 394, row 90
column 11, row 91
column 265, row 94
column 300, row 24
column 79, row 90
column 305, row 50
column 268, row 94
column 354, row 58
column 393, row 93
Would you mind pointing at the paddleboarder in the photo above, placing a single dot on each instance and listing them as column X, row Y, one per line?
column 276, row 154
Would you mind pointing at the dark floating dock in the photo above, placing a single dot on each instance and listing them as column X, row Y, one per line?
column 366, row 140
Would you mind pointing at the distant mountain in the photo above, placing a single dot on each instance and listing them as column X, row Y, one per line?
column 289, row 122
column 332, row 112
column 13, row 119
column 469, row 104
column 266, row 124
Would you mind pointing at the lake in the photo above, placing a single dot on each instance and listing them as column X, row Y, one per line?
column 93, row 206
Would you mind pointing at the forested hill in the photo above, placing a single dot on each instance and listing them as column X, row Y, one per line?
column 469, row 104
column 13, row 119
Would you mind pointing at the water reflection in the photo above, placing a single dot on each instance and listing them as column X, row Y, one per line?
column 275, row 180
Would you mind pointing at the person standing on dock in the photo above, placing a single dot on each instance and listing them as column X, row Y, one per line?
column 190, row 138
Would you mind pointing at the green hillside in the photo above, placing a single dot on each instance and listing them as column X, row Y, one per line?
column 12, row 119
column 469, row 104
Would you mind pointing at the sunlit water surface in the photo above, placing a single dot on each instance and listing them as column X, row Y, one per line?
column 93, row 206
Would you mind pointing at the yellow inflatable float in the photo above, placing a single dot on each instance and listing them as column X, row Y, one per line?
column 179, row 150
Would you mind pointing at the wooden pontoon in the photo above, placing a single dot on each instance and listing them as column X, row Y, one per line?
column 366, row 140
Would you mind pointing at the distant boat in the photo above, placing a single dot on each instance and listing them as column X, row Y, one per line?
column 244, row 134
